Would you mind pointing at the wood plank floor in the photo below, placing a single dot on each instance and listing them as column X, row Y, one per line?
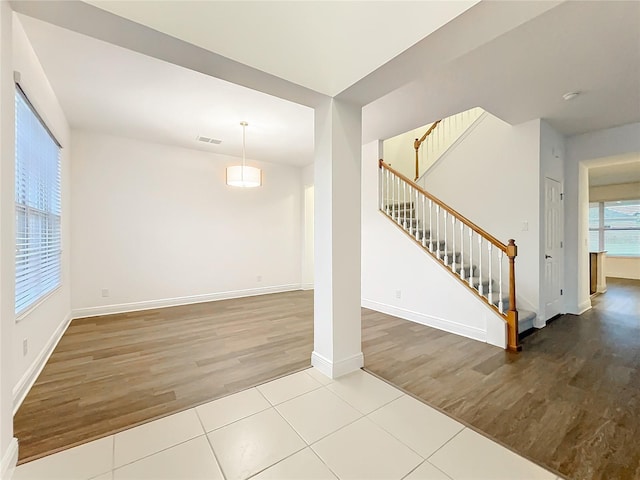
column 570, row 400
column 113, row 372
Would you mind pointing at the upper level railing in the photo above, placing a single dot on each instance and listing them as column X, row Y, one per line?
column 440, row 136
column 473, row 255
column 418, row 143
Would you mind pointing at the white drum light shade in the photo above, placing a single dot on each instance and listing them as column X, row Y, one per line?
column 243, row 176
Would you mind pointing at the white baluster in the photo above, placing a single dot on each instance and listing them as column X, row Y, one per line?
column 381, row 188
column 490, row 296
column 430, row 226
column 398, row 204
column 462, row 250
column 500, row 305
column 387, row 180
column 438, row 231
column 480, row 264
column 446, row 247
column 453, row 247
column 470, row 257
column 404, row 204
column 417, row 211
column 424, row 222
column 412, row 212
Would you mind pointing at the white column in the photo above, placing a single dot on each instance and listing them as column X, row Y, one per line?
column 8, row 445
column 337, row 329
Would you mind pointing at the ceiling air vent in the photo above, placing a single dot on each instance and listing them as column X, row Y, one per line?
column 215, row 141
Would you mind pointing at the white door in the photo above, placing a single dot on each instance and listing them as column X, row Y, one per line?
column 553, row 248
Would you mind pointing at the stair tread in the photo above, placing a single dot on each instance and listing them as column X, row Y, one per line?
column 525, row 317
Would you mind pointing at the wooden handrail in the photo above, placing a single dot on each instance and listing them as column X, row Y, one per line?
column 417, row 143
column 453, row 212
column 511, row 250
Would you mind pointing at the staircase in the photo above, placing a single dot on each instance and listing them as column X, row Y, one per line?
column 482, row 264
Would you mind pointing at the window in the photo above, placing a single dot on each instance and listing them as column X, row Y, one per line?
column 615, row 227
column 37, row 196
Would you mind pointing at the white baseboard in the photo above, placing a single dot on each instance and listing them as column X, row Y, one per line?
column 9, row 460
column 580, row 308
column 428, row 320
column 307, row 286
column 30, row 376
column 339, row 368
column 173, row 302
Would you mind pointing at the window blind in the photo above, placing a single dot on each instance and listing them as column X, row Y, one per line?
column 38, row 206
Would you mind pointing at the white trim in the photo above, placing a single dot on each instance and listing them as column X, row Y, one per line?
column 28, row 379
column 581, row 308
column 584, row 306
column 9, row 460
column 172, row 302
column 339, row 368
column 458, row 141
column 428, row 320
column 40, row 300
column 307, row 286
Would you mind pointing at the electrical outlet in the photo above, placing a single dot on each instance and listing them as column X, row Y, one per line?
column 105, row 292
column 398, row 294
column 25, row 347
column 525, row 226
column 258, row 278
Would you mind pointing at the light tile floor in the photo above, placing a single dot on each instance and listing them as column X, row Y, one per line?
column 302, row 426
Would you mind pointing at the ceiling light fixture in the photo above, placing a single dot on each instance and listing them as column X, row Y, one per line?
column 570, row 95
column 243, row 176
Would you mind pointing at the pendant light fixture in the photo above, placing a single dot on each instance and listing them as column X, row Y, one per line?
column 243, row 176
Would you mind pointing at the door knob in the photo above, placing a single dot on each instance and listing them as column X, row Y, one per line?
column 547, row 256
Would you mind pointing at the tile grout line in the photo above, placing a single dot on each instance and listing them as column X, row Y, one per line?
column 296, row 396
column 224, row 476
column 323, row 462
column 439, row 469
column 414, row 469
column 158, row 451
column 306, row 445
column 446, row 443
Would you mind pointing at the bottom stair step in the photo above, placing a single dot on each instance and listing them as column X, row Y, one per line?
column 525, row 320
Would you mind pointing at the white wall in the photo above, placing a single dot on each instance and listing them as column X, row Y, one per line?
column 8, row 445
column 156, row 225
column 307, row 225
column 43, row 325
column 580, row 151
column 493, row 179
column 391, row 262
column 622, row 267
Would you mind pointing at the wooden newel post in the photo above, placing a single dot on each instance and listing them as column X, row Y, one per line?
column 513, row 340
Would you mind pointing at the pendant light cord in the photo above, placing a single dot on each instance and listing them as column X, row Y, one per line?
column 244, row 127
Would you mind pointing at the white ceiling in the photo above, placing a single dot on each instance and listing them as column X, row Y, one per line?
column 106, row 88
column 592, row 47
column 615, row 170
column 324, row 45
column 514, row 59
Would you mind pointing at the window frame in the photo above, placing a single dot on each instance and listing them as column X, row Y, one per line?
column 601, row 228
column 50, row 217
